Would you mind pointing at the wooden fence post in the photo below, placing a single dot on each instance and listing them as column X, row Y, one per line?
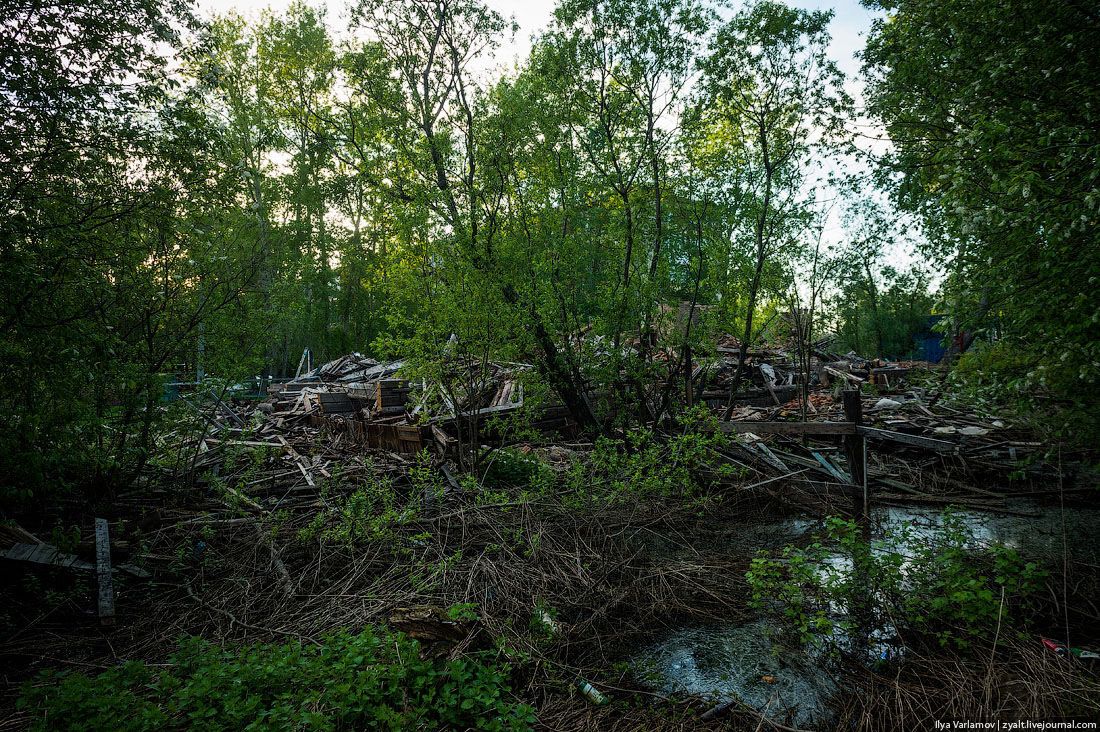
column 855, row 447
column 103, row 572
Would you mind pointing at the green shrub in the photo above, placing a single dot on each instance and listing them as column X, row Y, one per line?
column 375, row 679
column 645, row 465
column 371, row 512
column 511, row 468
column 1052, row 388
column 933, row 584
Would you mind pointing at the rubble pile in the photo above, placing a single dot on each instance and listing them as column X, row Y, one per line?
column 772, row 375
column 356, row 414
column 919, row 450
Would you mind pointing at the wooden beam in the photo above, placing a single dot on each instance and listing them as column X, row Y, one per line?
column 103, row 572
column 791, row 428
column 843, row 375
column 855, row 448
column 772, row 457
column 480, row 412
column 927, row 443
column 832, row 469
column 798, row 460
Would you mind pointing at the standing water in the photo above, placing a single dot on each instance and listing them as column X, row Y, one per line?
column 744, row 663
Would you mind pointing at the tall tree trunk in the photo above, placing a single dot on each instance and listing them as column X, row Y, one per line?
column 565, row 380
column 761, row 255
column 872, row 295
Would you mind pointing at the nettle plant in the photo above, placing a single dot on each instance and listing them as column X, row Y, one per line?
column 370, row 512
column 644, row 464
column 375, row 679
column 935, row 584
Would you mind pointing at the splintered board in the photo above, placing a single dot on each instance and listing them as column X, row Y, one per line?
column 103, row 572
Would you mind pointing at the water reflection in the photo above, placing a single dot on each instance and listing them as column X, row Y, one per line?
column 793, row 686
column 722, row 662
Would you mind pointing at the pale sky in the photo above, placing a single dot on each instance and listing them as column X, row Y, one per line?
column 848, row 27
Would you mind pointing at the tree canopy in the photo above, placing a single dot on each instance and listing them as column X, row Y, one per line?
column 188, row 198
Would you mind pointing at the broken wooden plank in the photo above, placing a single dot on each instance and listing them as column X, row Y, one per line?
column 787, row 476
column 442, row 439
column 208, row 418
column 134, row 571
column 771, row 457
column 843, row 375
column 452, row 482
column 288, row 448
column 48, row 555
column 927, row 443
column 245, row 500
column 483, row 412
column 243, row 443
column 306, row 473
column 791, row 428
column 830, row 468
column 20, row 552
column 226, row 409
column 103, row 572
column 813, row 465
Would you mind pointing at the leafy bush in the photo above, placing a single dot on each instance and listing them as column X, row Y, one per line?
column 370, row 512
column 374, row 679
column 510, row 468
column 645, row 465
column 933, row 583
column 1050, row 388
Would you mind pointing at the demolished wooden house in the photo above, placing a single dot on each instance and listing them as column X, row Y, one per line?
column 368, row 403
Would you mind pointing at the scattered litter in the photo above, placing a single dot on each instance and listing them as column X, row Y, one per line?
column 591, row 693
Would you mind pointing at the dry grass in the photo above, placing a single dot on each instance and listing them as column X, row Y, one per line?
column 615, row 576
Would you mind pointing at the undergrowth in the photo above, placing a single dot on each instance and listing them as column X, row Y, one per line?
column 933, row 584
column 643, row 465
column 1056, row 396
column 373, row 679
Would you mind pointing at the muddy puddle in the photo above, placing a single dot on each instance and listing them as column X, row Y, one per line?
column 745, row 663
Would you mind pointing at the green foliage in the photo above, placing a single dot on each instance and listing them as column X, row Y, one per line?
column 991, row 109
column 644, row 466
column 119, row 238
column 544, row 624
column 933, row 583
column 879, row 310
column 425, row 479
column 1027, row 385
column 373, row 679
column 509, row 467
column 792, row 582
column 883, row 318
column 65, row 539
column 288, row 187
column 370, row 512
column 463, row 611
column 767, row 80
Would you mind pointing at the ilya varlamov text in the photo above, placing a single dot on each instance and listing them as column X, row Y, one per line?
column 1021, row 724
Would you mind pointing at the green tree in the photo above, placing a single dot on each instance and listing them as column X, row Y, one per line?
column 992, row 112
column 777, row 102
column 619, row 69
column 446, row 178
column 113, row 238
